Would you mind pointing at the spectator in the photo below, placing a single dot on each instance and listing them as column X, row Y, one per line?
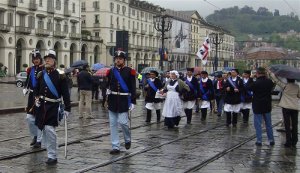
column 262, row 105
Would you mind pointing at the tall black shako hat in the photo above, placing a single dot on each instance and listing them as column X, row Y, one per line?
column 190, row 69
column 51, row 53
column 155, row 72
column 36, row 54
column 204, row 72
column 247, row 72
column 236, row 70
column 120, row 53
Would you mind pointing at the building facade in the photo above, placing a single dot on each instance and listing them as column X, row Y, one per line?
column 41, row 24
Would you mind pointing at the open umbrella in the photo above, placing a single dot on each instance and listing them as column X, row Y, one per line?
column 285, row 71
column 102, row 72
column 148, row 69
column 79, row 63
column 97, row 66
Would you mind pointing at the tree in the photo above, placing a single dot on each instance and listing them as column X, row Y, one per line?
column 276, row 12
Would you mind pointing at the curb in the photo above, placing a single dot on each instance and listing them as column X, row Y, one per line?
column 22, row 109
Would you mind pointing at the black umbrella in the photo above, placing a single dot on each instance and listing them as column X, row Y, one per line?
column 285, row 71
column 79, row 63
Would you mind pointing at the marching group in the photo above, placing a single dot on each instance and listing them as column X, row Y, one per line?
column 232, row 93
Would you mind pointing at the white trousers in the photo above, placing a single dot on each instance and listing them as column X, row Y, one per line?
column 33, row 129
column 50, row 141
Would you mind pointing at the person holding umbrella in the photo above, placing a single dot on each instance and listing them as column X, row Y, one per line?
column 121, row 100
column 152, row 86
column 289, row 102
column 50, row 88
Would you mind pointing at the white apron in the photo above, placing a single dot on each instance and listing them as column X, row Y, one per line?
column 173, row 104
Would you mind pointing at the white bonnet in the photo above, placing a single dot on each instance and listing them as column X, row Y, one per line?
column 175, row 72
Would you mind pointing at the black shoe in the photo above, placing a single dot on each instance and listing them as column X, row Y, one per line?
column 51, row 161
column 272, row 143
column 33, row 141
column 37, row 145
column 258, row 144
column 188, row 122
column 127, row 145
column 114, row 151
column 219, row 115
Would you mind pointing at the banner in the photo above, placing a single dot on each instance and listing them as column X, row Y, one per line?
column 203, row 51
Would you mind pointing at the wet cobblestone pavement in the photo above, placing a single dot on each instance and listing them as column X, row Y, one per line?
column 204, row 146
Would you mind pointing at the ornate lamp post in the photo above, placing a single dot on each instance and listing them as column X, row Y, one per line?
column 162, row 23
column 216, row 39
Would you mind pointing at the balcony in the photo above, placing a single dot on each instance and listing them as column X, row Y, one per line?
column 4, row 28
column 75, row 36
column 134, row 30
column 23, row 30
column 32, row 5
column 42, row 32
column 111, row 44
column 67, row 12
column 85, row 37
column 97, row 8
column 143, row 32
column 13, row 3
column 139, row 47
column 97, row 25
column 97, row 39
column 50, row 10
column 59, row 34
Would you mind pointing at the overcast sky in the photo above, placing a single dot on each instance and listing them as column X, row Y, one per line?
column 206, row 7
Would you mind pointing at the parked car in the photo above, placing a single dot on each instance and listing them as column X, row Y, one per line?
column 21, row 79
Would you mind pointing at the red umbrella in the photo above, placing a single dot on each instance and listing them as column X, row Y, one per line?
column 102, row 72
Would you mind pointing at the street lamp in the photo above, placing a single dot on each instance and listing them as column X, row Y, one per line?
column 162, row 23
column 216, row 38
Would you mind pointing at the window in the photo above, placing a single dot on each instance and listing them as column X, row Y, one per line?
column 40, row 3
column 1, row 17
column 83, row 6
column 57, row 26
column 73, row 7
column 118, row 8
column 111, row 36
column 10, row 19
column 111, row 7
column 20, row 1
column 22, row 20
column 73, row 28
column 138, row 26
column 97, row 34
column 128, row 24
column 96, row 5
column 133, row 12
column 97, row 18
column 31, row 22
column 111, row 21
column 40, row 23
column 49, row 25
column 58, row 5
column 123, row 10
column 142, row 14
column 66, row 27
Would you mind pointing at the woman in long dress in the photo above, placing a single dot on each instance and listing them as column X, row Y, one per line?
column 173, row 105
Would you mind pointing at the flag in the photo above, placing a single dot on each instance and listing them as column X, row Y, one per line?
column 163, row 54
column 203, row 51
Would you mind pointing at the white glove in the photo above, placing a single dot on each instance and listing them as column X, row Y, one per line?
column 108, row 91
column 25, row 91
column 66, row 114
column 131, row 107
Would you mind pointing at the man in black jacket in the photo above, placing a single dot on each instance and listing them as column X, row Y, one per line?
column 262, row 105
column 121, row 100
column 30, row 85
column 152, row 86
column 189, row 98
column 233, row 87
column 50, row 88
column 85, row 83
column 246, row 96
column 219, row 93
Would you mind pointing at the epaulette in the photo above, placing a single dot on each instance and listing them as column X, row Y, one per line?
column 40, row 74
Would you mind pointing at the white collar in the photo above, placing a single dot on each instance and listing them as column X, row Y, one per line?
column 204, row 80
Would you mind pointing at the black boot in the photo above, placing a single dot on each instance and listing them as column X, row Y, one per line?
column 157, row 116
column 228, row 118
column 246, row 115
column 33, row 141
column 234, row 119
column 189, row 116
column 203, row 114
column 148, row 118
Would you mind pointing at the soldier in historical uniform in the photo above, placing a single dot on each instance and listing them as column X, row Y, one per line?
column 51, row 87
column 30, row 84
column 233, row 87
column 153, row 102
column 189, row 98
column 219, row 93
column 121, row 100
column 206, row 92
column 246, row 96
